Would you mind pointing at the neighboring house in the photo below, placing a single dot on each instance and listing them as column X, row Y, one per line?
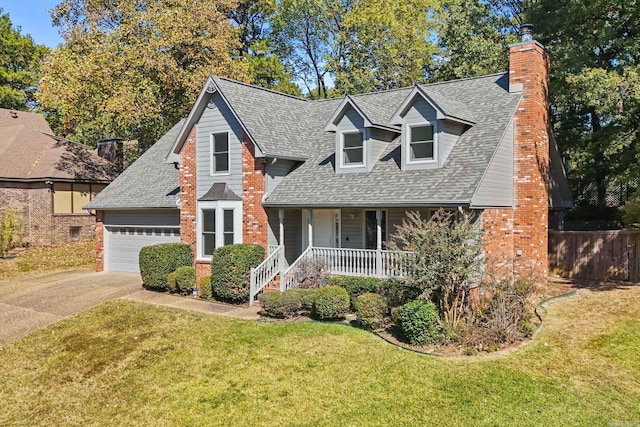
column 257, row 166
column 47, row 180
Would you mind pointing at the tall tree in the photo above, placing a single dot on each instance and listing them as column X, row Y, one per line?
column 595, row 86
column 132, row 68
column 20, row 61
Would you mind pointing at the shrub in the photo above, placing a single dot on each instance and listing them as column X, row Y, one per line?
column 171, row 282
column 396, row 293
column 157, row 261
column 356, row 286
column 10, row 231
column 204, row 287
column 371, row 310
column 281, row 304
column 330, row 302
column 231, row 268
column 314, row 272
column 307, row 299
column 185, row 279
column 419, row 322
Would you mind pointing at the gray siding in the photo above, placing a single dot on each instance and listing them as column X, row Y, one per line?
column 378, row 141
column 496, row 187
column 157, row 217
column 420, row 111
column 292, row 232
column 351, row 228
column 352, row 121
column 217, row 120
column 274, row 172
column 448, row 135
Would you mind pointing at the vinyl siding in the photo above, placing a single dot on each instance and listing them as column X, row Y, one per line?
column 275, row 172
column 218, row 120
column 496, row 187
column 351, row 121
column 448, row 135
column 378, row 142
column 292, row 232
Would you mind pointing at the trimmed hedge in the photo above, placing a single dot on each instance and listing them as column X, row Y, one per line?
column 157, row 261
column 204, row 287
column 330, row 302
column 171, row 282
column 419, row 322
column 230, row 271
column 396, row 293
column 371, row 310
column 281, row 305
column 356, row 286
column 185, row 279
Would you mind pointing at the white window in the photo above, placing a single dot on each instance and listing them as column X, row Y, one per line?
column 219, row 224
column 219, row 147
column 421, row 144
column 352, row 149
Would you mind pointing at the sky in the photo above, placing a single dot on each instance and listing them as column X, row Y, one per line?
column 33, row 18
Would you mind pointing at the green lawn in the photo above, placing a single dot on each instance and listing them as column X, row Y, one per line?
column 125, row 363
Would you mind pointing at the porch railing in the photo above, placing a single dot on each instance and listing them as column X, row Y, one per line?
column 265, row 272
column 348, row 262
column 272, row 248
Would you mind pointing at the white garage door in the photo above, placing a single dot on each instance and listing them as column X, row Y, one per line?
column 127, row 233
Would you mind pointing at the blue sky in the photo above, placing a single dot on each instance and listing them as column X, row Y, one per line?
column 33, row 18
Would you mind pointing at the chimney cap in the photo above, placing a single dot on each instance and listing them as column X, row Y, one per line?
column 526, row 33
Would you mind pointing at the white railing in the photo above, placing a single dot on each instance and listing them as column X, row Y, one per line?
column 349, row 262
column 265, row 272
column 271, row 249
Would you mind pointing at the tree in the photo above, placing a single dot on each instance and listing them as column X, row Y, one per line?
column 20, row 60
column 133, row 68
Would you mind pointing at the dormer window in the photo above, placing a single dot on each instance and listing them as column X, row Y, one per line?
column 421, row 143
column 352, row 149
column 219, row 147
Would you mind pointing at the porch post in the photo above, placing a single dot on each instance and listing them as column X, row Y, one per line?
column 281, row 224
column 310, row 227
column 379, row 242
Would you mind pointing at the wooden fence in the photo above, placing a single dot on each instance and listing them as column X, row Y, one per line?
column 595, row 255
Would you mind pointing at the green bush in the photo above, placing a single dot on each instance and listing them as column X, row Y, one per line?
column 419, row 322
column 157, row 261
column 356, row 286
column 281, row 304
column 171, row 282
column 185, row 279
column 204, row 287
column 307, row 298
column 397, row 293
column 230, row 271
column 371, row 310
column 330, row 302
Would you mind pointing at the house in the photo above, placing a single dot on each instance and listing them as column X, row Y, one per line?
column 332, row 178
column 47, row 180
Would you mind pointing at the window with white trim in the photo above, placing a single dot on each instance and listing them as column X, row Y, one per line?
column 219, row 147
column 352, row 149
column 219, row 224
column 421, row 143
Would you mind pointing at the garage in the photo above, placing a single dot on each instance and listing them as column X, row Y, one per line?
column 125, row 233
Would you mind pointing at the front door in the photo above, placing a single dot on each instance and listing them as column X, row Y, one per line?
column 326, row 228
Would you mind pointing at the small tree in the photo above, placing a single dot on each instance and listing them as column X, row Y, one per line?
column 10, row 231
column 447, row 259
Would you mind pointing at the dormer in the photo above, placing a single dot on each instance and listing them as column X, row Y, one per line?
column 359, row 141
column 431, row 125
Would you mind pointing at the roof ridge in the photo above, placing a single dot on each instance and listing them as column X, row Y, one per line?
column 260, row 88
column 464, row 79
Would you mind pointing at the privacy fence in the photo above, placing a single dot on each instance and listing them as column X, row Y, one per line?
column 595, row 255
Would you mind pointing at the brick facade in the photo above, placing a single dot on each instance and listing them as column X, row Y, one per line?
column 188, row 196
column 523, row 238
column 254, row 215
column 33, row 203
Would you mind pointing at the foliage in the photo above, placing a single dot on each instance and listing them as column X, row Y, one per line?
column 330, row 302
column 314, row 272
column 631, row 211
column 204, row 287
column 20, row 60
column 231, row 271
column 132, row 69
column 356, row 286
column 185, row 279
column 157, row 261
column 10, row 231
column 447, row 259
column 371, row 310
column 419, row 322
column 281, row 305
column 397, row 293
column 172, row 285
column 267, row 70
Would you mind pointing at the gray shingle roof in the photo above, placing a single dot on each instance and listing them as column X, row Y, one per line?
column 315, row 182
column 147, row 183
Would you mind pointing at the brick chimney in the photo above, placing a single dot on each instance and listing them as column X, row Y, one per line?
column 529, row 74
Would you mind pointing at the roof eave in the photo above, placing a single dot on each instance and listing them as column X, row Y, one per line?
column 355, row 204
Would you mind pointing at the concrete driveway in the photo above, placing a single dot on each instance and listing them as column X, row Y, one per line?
column 30, row 303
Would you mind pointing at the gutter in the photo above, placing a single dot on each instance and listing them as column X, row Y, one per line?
column 353, row 204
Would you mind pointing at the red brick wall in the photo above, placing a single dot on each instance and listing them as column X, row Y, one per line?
column 520, row 236
column 188, row 197
column 99, row 238
column 254, row 216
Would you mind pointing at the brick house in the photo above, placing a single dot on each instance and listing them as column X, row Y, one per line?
column 46, row 180
column 331, row 178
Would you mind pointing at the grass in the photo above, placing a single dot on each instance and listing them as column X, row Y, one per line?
column 52, row 258
column 125, row 363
